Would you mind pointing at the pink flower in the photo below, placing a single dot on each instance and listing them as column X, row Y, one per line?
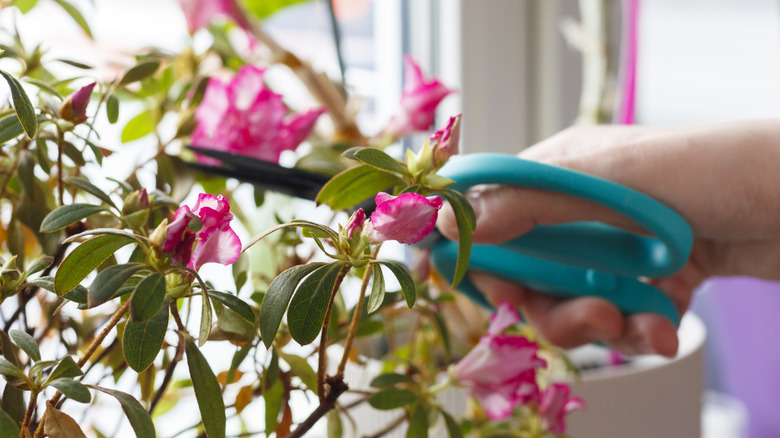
column 74, row 109
column 244, row 117
column 501, row 369
column 446, row 142
column 200, row 13
column 215, row 241
column 555, row 403
column 407, row 218
column 419, row 100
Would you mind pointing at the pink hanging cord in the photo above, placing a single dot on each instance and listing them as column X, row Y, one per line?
column 629, row 58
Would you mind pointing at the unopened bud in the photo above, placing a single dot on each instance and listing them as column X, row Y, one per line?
column 74, row 109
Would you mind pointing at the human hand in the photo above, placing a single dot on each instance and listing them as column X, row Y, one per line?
column 721, row 178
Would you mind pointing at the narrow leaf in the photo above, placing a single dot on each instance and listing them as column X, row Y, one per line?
column 453, row 428
column 67, row 367
column 72, row 389
column 84, row 259
column 76, row 15
column 8, row 427
column 10, row 128
column 235, row 304
column 381, row 160
column 391, row 398
column 26, row 343
column 404, row 279
column 148, row 297
column 142, row 340
column 60, row 425
column 418, row 424
column 277, row 299
column 9, row 369
column 140, row 420
column 76, row 64
column 390, row 379
column 112, row 109
column 355, row 185
column 140, row 71
column 207, row 392
column 68, row 214
column 464, row 216
column 90, row 188
column 77, row 295
column 310, row 303
column 39, row 265
column 274, row 398
column 40, row 367
column 24, row 108
column 377, row 296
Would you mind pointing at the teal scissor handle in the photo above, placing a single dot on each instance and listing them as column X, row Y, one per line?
column 580, row 258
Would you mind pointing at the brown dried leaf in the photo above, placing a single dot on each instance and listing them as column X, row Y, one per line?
column 245, row 396
column 60, row 425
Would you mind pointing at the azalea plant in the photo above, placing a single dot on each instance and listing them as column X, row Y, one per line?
column 104, row 276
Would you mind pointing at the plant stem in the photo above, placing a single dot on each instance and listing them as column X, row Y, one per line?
column 323, row 356
column 168, row 373
column 387, row 429
column 337, row 387
column 60, row 169
column 356, row 317
column 87, row 354
column 29, row 413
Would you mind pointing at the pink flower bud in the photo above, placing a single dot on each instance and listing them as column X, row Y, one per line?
column 407, row 218
column 200, row 13
column 419, row 100
column 554, row 403
column 74, row 109
column 215, row 242
column 446, row 142
column 355, row 224
column 244, row 117
column 500, row 370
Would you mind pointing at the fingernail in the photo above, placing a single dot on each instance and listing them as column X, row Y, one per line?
column 475, row 199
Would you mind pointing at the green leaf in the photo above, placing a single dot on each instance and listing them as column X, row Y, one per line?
column 84, row 184
column 235, row 304
column 390, row 379
column 72, row 152
column 140, row 420
column 377, row 296
column 142, row 340
column 26, row 343
column 148, row 297
column 85, row 258
column 78, row 295
column 139, row 126
column 467, row 222
column 207, row 392
column 380, row 160
column 13, row 404
column 404, row 279
column 273, row 397
column 40, row 367
column 112, row 108
column 391, row 398
column 68, row 214
column 301, row 368
column 66, row 368
column 238, row 357
column 310, row 303
column 265, row 8
column 25, row 110
column 10, row 128
column 9, row 369
column 39, row 265
column 140, row 71
column 8, row 427
column 277, row 299
column 43, row 86
column 418, row 424
column 335, row 427
column 72, row 389
column 76, row 64
column 24, row 6
column 76, row 15
column 355, row 185
column 453, row 428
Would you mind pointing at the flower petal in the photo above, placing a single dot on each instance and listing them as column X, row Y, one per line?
column 216, row 246
column 407, row 218
column 506, row 316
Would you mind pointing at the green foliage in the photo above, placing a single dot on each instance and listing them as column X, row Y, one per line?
column 142, row 340
column 404, row 279
column 25, row 110
column 148, row 297
column 85, row 258
column 207, row 392
column 355, row 185
column 265, row 8
column 76, row 15
column 139, row 419
column 68, row 215
column 309, row 305
column 391, row 398
column 467, row 222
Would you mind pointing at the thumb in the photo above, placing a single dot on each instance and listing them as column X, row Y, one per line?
column 505, row 212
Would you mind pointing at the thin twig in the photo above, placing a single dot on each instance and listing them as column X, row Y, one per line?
column 323, row 356
column 387, row 429
column 356, row 317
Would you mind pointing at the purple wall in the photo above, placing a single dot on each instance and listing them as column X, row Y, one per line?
column 743, row 321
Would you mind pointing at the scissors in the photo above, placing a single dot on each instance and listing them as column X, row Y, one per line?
column 568, row 260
